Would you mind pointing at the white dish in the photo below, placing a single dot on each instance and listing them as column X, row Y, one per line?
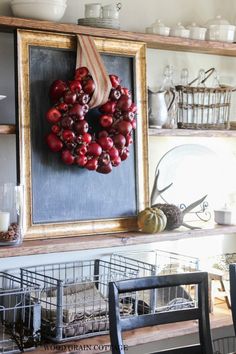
column 2, row 97
column 100, row 22
column 225, row 217
column 194, row 171
column 220, row 35
column 179, row 31
column 197, row 32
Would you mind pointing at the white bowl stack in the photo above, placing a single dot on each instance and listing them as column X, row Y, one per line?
column 48, row 10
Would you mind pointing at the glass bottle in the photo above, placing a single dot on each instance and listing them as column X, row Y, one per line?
column 11, row 197
column 171, row 94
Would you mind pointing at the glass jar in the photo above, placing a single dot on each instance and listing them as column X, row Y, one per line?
column 11, row 197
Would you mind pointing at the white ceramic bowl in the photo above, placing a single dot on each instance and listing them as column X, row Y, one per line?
column 40, row 10
column 215, row 33
column 162, row 31
column 198, row 33
column 225, row 217
column 180, row 33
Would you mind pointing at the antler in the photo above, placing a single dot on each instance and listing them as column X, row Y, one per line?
column 155, row 191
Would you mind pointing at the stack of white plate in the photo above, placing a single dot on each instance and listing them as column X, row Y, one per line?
column 99, row 22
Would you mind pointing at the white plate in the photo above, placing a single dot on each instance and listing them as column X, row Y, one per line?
column 99, row 22
column 195, row 171
column 2, row 97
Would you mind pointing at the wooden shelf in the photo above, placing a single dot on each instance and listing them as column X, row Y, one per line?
column 220, row 318
column 152, row 40
column 7, row 129
column 192, row 132
column 108, row 240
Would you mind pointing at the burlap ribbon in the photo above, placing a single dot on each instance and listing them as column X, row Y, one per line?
column 88, row 56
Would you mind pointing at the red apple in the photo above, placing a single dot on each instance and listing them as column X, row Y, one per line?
column 116, row 161
column 113, row 152
column 81, row 160
column 67, row 157
column 57, row 90
column 104, row 159
column 105, row 142
column 114, row 95
column 75, row 86
column 67, row 122
column 89, row 86
column 92, row 164
column 102, row 133
column 77, row 111
column 68, row 135
column 129, row 140
column 81, row 150
column 126, row 91
column 86, row 138
column 108, row 107
column 83, row 98
column 134, row 124
column 70, row 97
column 124, row 127
column 119, row 141
column 124, row 103
column 54, row 143
column 124, row 154
column 133, row 108
column 82, row 127
column 63, row 107
column 53, row 115
column 105, row 120
column 129, row 116
column 94, row 149
column 105, row 169
column 81, row 73
column 55, row 129
column 115, row 81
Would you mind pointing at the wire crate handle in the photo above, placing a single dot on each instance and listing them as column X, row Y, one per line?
column 208, row 73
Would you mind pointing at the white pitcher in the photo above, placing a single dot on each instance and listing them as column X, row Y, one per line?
column 158, row 108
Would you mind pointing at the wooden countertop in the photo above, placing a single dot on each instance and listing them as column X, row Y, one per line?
column 220, row 318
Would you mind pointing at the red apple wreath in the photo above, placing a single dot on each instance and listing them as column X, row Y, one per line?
column 97, row 144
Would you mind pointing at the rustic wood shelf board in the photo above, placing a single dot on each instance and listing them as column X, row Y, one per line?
column 192, row 132
column 7, row 129
column 152, row 40
column 81, row 243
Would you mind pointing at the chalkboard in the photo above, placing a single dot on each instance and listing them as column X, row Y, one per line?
column 63, row 193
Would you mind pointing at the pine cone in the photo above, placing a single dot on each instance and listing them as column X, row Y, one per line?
column 173, row 214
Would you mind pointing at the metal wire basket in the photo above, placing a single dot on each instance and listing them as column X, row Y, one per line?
column 74, row 297
column 162, row 263
column 224, row 345
column 20, row 314
column 201, row 107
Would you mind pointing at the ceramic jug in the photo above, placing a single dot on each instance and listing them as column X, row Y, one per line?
column 158, row 108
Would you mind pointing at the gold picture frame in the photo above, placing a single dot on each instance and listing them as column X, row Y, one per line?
column 37, row 230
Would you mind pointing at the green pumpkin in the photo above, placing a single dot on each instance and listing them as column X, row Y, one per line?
column 152, row 220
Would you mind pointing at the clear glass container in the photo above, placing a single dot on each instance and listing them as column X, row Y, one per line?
column 11, row 197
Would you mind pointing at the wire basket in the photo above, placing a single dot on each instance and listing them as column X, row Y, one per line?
column 20, row 314
column 201, row 107
column 224, row 345
column 74, row 297
column 162, row 263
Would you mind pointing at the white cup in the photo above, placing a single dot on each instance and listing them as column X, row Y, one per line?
column 4, row 221
column 93, row 10
column 111, row 11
